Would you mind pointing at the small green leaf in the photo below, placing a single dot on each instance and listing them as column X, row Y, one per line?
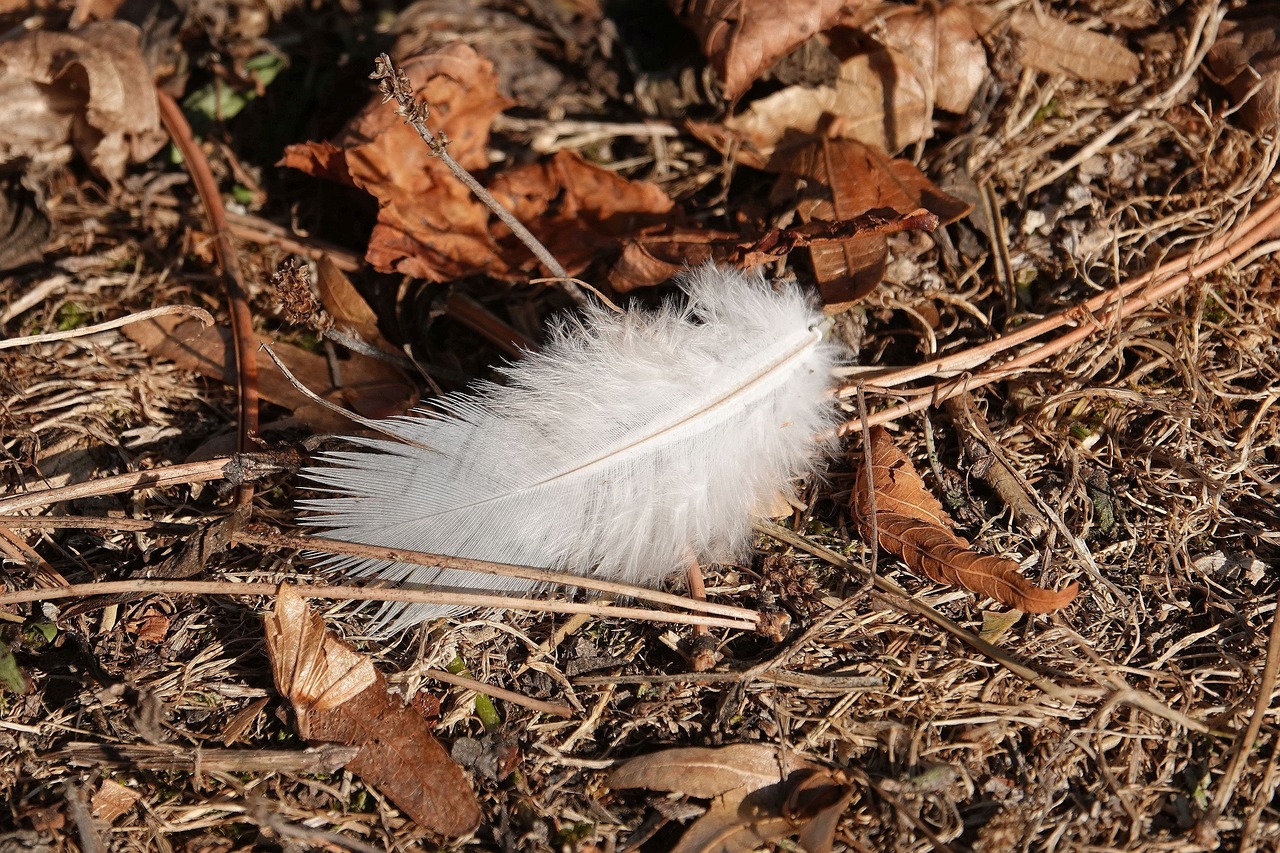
column 10, row 675
column 39, row 633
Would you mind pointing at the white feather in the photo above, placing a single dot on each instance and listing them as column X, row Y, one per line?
column 626, row 445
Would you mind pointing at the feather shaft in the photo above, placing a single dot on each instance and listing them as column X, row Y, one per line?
column 628, row 442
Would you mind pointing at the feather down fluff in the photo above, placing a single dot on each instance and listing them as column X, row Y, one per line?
column 627, row 445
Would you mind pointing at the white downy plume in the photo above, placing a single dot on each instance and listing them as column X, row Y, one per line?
column 628, row 443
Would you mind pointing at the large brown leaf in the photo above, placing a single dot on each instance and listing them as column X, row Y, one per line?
column 429, row 225
column 859, row 180
column 339, row 697
column 760, row 793
column 912, row 524
column 743, row 38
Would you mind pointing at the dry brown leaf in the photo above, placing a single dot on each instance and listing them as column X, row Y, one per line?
column 760, row 794
column 112, row 800
column 860, row 180
column 656, row 255
column 913, row 525
column 338, row 696
column 877, row 99
column 372, row 388
column 89, row 91
column 944, row 47
column 575, row 208
column 350, row 313
column 429, row 225
column 1057, row 47
column 1245, row 60
column 743, row 38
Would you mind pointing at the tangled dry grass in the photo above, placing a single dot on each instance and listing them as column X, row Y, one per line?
column 1152, row 453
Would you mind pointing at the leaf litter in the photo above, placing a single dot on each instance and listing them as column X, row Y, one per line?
column 1089, row 166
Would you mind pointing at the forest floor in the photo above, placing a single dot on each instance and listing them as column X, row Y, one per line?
column 1067, row 150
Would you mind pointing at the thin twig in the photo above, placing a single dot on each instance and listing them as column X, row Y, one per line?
column 868, row 463
column 1113, row 306
column 442, row 561
column 173, row 475
column 354, row 593
column 395, row 86
column 233, row 282
column 500, row 693
column 199, row 313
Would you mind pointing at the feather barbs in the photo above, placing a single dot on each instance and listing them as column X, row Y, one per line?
column 626, row 444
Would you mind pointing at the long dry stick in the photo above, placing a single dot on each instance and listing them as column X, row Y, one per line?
column 173, row 475
column 442, row 561
column 215, row 469
column 1102, row 311
column 358, row 593
column 233, row 282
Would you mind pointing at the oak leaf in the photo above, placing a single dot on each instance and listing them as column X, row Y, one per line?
column 760, row 793
column 338, row 696
column 912, row 524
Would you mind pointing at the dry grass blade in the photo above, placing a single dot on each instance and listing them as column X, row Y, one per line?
column 189, row 310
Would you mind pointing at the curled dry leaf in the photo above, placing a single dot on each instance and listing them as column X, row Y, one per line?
column 944, row 47
column 653, row 257
column 350, row 312
column 89, row 91
column 743, row 38
column 859, row 180
column 883, row 96
column 1057, row 47
column 1245, row 60
column 339, row 697
column 913, row 525
column 760, row 793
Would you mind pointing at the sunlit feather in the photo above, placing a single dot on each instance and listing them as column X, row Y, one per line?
column 627, row 444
